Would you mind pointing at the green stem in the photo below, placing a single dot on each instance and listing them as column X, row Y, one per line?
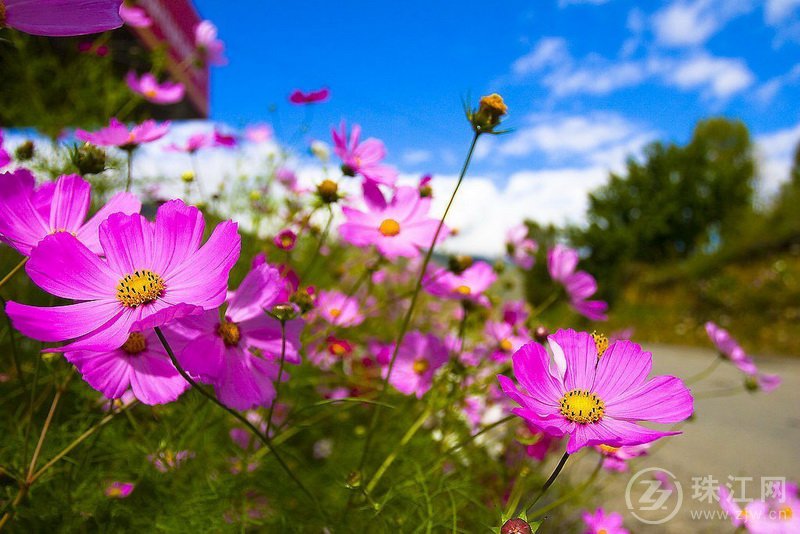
column 550, row 481
column 130, row 171
column 545, row 305
column 320, row 244
column 705, row 373
column 393, row 455
column 14, row 353
column 13, row 271
column 280, row 376
column 576, row 491
column 242, row 419
column 407, row 319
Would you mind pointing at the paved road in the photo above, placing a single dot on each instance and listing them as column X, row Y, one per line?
column 744, row 435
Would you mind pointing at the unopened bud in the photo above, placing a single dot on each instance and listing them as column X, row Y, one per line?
column 255, row 195
column 353, row 480
column 516, row 526
column 541, row 333
column 88, row 159
column 459, row 264
column 328, row 191
column 304, row 299
column 284, row 312
column 24, row 152
column 187, row 176
column 491, row 109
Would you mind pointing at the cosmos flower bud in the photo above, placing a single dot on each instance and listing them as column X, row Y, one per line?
column 285, row 239
column 255, row 195
column 24, row 151
column 353, row 480
column 328, row 191
column 459, row 264
column 188, row 176
column 304, row 299
column 516, row 525
column 487, row 117
column 541, row 333
column 284, row 312
column 88, row 159
column 320, row 150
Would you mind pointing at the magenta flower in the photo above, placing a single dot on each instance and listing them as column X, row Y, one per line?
column 362, row 158
column 243, row 437
column 28, row 214
column 60, row 18
column 730, row 349
column 193, row 144
column 580, row 285
column 221, row 139
column 210, row 49
column 147, row 86
column 777, row 514
column 520, row 247
column 601, row 522
column 152, row 273
column 140, row 364
column 504, row 340
column 515, row 312
column 167, row 460
column 616, row 458
column 238, row 353
column 312, row 97
column 471, row 284
column 331, row 351
column 400, row 228
column 258, row 133
column 134, row 16
column 119, row 490
column 5, row 157
column 285, row 239
column 539, row 445
column 595, row 399
column 117, row 134
column 418, row 359
column 339, row 309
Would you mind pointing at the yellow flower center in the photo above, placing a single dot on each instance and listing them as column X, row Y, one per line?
column 420, row 366
column 114, row 491
column 335, row 312
column 602, row 531
column 608, row 449
column 601, row 342
column 150, row 93
column 287, row 241
column 389, row 228
column 785, row 513
column 582, row 406
column 230, row 333
column 463, row 290
column 135, row 344
column 338, row 349
column 141, row 287
column 506, row 345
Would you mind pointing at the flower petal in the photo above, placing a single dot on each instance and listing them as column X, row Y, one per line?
column 580, row 357
column 664, row 399
column 531, row 368
column 623, row 366
column 71, row 199
column 60, row 323
column 89, row 233
column 154, row 380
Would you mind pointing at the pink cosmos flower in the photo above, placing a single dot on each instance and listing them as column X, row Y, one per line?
column 134, row 16
column 504, row 340
column 537, row 443
column 778, row 514
column 285, row 239
column 418, row 359
column 601, row 522
column 168, row 460
column 333, row 350
column 616, row 458
column 119, row 490
column 595, row 399
column 730, row 349
column 400, row 228
column 89, row 47
column 117, row 134
column 152, row 273
column 210, row 49
column 580, row 285
column 312, row 97
column 5, row 157
column 515, row 312
column 192, row 145
column 140, row 364
column 258, row 133
column 243, row 437
column 238, row 353
column 471, row 284
column 339, row 309
column 61, row 18
column 362, row 158
column 520, row 247
column 29, row 214
column 222, row 139
column 147, row 86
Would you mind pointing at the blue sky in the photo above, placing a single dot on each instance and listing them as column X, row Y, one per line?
column 612, row 70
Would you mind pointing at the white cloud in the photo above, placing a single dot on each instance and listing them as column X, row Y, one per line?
column 767, row 91
column 549, row 51
column 693, row 22
column 776, row 153
column 778, row 11
column 416, row 157
column 588, row 138
column 718, row 77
